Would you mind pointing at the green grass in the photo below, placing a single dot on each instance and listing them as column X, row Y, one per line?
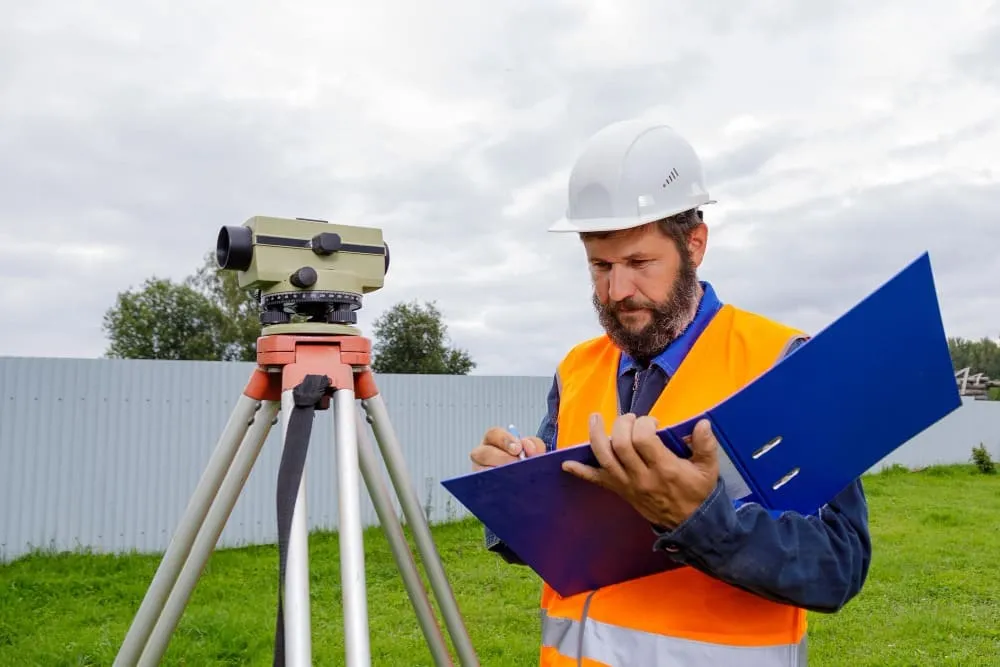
column 932, row 598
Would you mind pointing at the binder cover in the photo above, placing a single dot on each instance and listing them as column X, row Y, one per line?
column 798, row 435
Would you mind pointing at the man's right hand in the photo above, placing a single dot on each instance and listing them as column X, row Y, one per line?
column 500, row 447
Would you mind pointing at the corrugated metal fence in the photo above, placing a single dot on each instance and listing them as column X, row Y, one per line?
column 104, row 454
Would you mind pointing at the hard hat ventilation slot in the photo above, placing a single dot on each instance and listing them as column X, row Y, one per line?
column 671, row 177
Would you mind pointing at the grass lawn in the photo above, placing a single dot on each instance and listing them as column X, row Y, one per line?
column 933, row 596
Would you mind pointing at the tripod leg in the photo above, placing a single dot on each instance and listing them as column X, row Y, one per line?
column 188, row 527
column 298, row 633
column 352, row 554
column 392, row 453
column 401, row 550
column 208, row 537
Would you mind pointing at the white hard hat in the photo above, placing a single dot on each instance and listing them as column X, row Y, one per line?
column 631, row 173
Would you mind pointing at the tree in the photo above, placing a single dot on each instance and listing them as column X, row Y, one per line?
column 164, row 320
column 979, row 356
column 982, row 356
column 207, row 317
column 412, row 339
column 239, row 306
column 210, row 317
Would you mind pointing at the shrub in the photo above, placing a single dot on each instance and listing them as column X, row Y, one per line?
column 981, row 457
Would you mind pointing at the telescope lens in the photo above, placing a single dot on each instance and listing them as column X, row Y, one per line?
column 234, row 248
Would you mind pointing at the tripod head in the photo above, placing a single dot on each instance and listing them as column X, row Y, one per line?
column 311, row 275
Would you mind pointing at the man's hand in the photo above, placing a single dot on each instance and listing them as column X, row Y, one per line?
column 500, row 447
column 664, row 488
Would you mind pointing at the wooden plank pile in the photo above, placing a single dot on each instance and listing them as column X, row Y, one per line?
column 976, row 385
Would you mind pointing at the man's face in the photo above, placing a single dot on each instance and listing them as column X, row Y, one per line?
column 645, row 288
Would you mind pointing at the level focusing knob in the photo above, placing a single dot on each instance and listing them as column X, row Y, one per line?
column 304, row 277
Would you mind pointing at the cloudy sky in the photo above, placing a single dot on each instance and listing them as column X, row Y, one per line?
column 841, row 140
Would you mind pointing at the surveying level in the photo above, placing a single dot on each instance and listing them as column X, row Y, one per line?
column 311, row 276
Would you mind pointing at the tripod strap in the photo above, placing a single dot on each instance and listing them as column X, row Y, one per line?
column 308, row 395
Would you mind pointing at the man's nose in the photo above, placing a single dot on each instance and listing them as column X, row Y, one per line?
column 621, row 285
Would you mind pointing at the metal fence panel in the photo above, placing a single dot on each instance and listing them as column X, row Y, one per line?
column 104, row 454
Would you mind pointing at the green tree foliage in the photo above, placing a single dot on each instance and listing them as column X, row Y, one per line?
column 240, row 308
column 981, row 356
column 207, row 317
column 413, row 339
column 164, row 320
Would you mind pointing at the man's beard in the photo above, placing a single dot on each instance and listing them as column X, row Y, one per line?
column 668, row 318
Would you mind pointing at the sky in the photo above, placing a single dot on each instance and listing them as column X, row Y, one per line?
column 841, row 140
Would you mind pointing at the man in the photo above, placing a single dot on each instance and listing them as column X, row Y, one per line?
column 744, row 577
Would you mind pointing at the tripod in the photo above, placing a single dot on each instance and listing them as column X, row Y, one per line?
column 298, row 374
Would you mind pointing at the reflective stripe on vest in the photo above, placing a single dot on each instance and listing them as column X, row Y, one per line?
column 681, row 616
column 607, row 644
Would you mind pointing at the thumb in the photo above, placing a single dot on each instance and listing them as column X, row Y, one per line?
column 704, row 446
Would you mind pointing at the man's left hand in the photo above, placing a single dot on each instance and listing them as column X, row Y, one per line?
column 664, row 488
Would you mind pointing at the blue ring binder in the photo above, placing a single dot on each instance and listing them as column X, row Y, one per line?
column 798, row 435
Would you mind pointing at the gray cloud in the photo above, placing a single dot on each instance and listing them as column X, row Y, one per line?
column 746, row 160
column 979, row 56
column 154, row 184
column 982, row 58
column 780, row 17
column 828, row 253
column 947, row 140
column 591, row 99
column 127, row 137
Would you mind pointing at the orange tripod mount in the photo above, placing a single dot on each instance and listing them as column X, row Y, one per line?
column 297, row 374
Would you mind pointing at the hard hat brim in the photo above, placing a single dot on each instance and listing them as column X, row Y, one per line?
column 565, row 224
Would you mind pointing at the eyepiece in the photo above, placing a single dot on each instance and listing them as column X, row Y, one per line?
column 234, row 248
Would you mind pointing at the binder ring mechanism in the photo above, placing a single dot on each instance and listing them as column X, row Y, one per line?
column 787, row 477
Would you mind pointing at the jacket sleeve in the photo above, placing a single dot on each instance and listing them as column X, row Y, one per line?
column 818, row 562
column 547, row 433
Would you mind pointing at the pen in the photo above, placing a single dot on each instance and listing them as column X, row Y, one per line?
column 513, row 429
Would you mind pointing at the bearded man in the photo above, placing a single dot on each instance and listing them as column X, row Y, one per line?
column 744, row 577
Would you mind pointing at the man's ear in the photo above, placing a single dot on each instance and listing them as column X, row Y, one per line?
column 697, row 242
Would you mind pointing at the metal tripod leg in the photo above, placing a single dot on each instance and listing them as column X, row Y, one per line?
column 379, row 494
column 295, row 587
column 392, row 453
column 190, row 524
column 208, row 536
column 352, row 555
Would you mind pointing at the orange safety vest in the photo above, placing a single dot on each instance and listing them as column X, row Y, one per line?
column 678, row 617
